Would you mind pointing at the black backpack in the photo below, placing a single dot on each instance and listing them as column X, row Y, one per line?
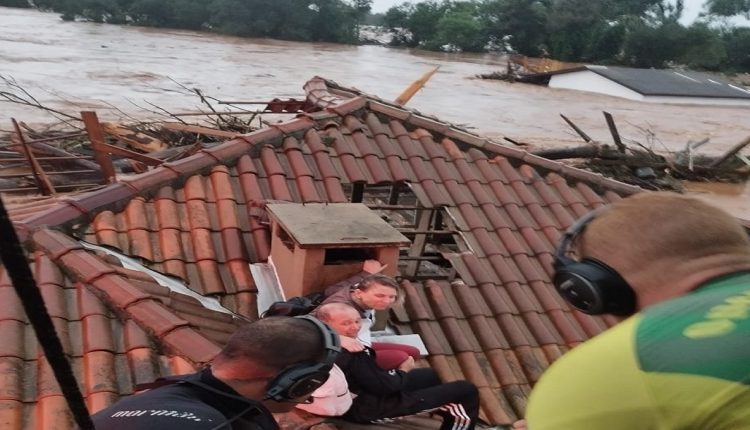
column 294, row 306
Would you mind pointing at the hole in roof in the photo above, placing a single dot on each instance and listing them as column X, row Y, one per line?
column 429, row 229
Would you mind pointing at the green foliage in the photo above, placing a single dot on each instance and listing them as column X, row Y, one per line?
column 15, row 3
column 704, row 48
column 648, row 46
column 153, row 13
column 520, row 23
column 460, row 29
column 311, row 20
column 574, row 27
column 728, row 7
column 374, row 19
column 737, row 45
column 639, row 33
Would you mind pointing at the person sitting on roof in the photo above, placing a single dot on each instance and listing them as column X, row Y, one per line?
column 681, row 268
column 372, row 293
column 266, row 366
column 380, row 394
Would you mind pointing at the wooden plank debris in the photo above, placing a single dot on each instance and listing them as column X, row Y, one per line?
column 96, row 136
column 578, row 130
column 41, row 179
column 412, row 89
column 134, row 139
column 729, row 154
column 613, row 130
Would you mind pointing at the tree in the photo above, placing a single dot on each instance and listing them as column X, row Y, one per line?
column 653, row 46
column 704, row 48
column 737, row 45
column 99, row 10
column 419, row 21
column 15, row 3
column 520, row 23
column 190, row 14
column 152, row 13
column 230, row 17
column 728, row 7
column 362, row 10
column 460, row 29
column 572, row 27
column 334, row 21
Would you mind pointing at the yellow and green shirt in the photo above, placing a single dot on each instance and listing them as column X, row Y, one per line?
column 682, row 364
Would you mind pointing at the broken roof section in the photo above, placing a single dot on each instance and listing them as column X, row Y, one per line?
column 496, row 213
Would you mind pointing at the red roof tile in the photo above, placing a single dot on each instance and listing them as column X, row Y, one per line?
column 201, row 219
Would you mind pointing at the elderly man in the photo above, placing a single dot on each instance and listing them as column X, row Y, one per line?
column 682, row 361
column 267, row 366
column 399, row 392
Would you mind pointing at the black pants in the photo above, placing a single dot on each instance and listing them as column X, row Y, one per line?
column 456, row 402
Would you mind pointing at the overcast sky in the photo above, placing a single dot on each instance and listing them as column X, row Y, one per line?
column 692, row 8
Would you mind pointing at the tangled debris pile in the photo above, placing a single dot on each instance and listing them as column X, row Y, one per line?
column 83, row 153
column 640, row 165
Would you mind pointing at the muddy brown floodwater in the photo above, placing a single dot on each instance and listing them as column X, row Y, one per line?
column 74, row 66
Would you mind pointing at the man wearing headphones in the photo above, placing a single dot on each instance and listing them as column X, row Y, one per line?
column 380, row 394
column 681, row 268
column 266, row 366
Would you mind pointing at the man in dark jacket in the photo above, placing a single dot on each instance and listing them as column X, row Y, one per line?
column 267, row 366
column 382, row 394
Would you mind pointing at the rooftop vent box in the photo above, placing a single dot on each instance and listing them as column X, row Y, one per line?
column 316, row 245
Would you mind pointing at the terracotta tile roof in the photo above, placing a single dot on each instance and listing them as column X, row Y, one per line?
column 110, row 352
column 201, row 220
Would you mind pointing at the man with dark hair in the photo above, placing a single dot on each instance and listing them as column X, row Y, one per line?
column 681, row 268
column 266, row 366
column 382, row 394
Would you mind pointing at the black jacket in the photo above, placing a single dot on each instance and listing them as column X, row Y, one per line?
column 377, row 389
column 197, row 401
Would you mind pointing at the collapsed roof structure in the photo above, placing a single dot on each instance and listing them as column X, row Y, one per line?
column 483, row 220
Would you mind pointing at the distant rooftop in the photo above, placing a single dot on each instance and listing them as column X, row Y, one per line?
column 658, row 82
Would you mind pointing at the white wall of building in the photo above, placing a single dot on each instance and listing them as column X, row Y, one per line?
column 586, row 80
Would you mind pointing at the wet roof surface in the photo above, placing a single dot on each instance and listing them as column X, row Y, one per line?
column 202, row 219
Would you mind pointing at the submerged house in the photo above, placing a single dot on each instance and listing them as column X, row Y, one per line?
column 648, row 85
column 142, row 277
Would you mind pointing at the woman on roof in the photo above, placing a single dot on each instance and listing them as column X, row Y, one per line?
column 373, row 293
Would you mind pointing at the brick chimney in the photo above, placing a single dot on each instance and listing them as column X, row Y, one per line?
column 316, row 245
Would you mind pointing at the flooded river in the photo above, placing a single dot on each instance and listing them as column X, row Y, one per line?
column 76, row 66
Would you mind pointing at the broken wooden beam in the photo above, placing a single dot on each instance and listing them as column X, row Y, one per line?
column 731, row 153
column 412, row 89
column 45, row 186
column 613, row 131
column 134, row 139
column 96, row 136
column 578, row 130
column 116, row 150
column 46, row 150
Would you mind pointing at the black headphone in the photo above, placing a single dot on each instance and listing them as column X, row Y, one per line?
column 589, row 285
column 301, row 379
